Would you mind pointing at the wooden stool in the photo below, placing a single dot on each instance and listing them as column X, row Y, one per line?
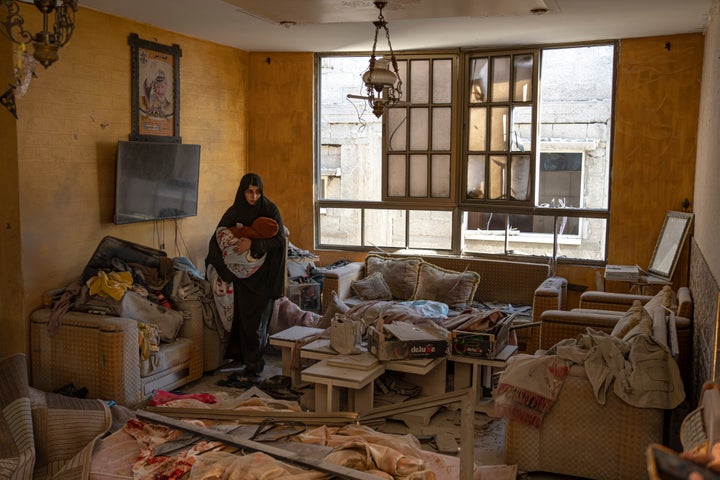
column 289, row 341
column 329, row 379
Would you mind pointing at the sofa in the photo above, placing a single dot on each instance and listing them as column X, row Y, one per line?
column 123, row 349
column 510, row 285
column 580, row 436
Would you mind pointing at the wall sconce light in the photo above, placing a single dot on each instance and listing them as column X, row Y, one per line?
column 383, row 85
column 45, row 43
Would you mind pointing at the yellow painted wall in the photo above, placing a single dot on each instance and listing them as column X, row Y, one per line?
column 69, row 124
column 280, row 120
column 656, row 111
column 11, row 276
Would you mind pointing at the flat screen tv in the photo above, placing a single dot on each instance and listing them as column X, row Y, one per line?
column 156, row 181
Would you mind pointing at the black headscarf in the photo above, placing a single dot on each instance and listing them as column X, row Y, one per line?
column 269, row 280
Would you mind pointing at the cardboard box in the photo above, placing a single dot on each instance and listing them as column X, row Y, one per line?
column 482, row 344
column 402, row 340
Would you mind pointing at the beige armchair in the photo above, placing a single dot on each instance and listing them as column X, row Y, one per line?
column 102, row 354
column 601, row 311
column 579, row 436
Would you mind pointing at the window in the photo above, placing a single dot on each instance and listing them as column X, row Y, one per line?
column 489, row 152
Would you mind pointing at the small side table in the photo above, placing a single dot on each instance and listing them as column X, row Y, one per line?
column 477, row 373
column 329, row 379
column 288, row 341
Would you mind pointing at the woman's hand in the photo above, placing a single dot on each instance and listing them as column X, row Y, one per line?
column 243, row 244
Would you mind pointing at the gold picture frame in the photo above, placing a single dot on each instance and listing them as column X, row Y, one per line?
column 155, row 103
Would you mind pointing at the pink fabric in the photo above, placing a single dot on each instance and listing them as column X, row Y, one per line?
column 286, row 314
column 163, row 397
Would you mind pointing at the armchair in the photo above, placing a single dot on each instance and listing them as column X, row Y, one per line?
column 602, row 310
column 579, row 436
column 102, row 354
column 101, row 351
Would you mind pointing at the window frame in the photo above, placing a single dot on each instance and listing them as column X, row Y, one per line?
column 458, row 203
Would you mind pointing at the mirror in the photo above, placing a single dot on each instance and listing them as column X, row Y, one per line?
column 669, row 245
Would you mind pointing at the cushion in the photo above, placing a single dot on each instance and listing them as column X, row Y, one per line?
column 631, row 319
column 446, row 286
column 336, row 306
column 664, row 298
column 135, row 306
column 400, row 274
column 372, row 287
column 644, row 326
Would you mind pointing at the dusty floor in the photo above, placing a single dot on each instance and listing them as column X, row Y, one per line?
column 489, row 431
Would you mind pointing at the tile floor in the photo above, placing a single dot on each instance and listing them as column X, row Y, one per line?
column 488, row 431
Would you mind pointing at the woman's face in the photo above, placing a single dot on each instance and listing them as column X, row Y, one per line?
column 252, row 194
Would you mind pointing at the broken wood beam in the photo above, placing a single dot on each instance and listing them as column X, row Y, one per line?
column 278, row 453
column 412, row 405
column 257, row 416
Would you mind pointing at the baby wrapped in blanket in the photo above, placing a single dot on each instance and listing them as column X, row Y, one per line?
column 241, row 262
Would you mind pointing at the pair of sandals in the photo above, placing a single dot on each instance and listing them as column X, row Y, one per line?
column 239, row 380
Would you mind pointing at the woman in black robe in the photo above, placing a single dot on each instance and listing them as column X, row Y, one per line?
column 254, row 296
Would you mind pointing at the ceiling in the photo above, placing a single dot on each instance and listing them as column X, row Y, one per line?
column 346, row 25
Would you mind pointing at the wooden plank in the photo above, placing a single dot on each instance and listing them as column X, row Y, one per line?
column 361, row 361
column 467, row 436
column 412, row 405
column 309, row 418
column 296, row 333
column 278, row 453
column 321, row 372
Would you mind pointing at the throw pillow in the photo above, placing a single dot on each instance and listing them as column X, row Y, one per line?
column 664, row 298
column 400, row 274
column 630, row 319
column 372, row 287
column 446, row 286
column 336, row 306
column 645, row 325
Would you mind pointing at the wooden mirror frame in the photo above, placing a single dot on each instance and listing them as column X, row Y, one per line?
column 669, row 245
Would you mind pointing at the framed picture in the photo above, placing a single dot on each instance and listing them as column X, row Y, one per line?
column 155, row 107
column 669, row 245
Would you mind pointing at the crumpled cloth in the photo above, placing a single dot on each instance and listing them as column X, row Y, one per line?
column 155, row 277
column 529, row 386
column 286, row 314
column 223, row 296
column 640, row 370
column 148, row 339
column 113, row 284
column 62, row 305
